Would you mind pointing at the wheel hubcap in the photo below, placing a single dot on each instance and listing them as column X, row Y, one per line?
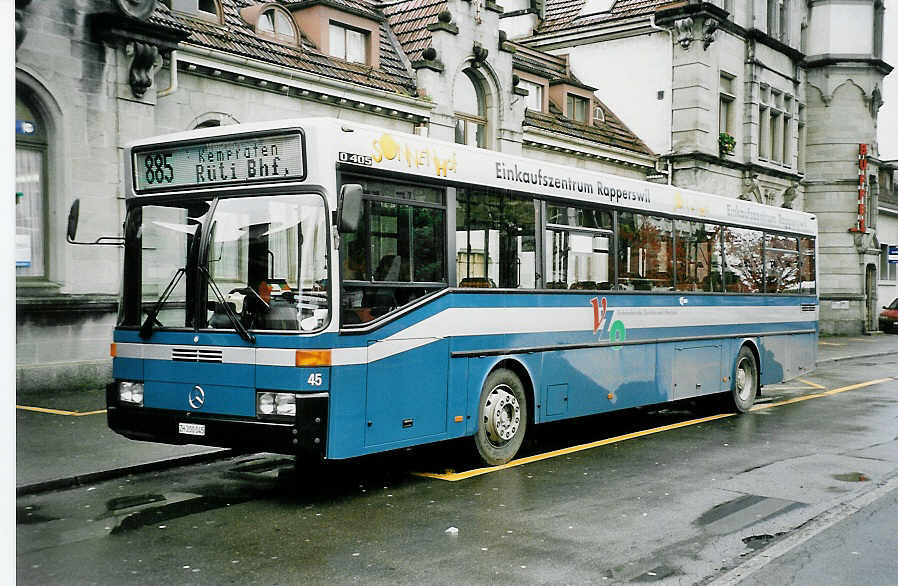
column 501, row 415
column 745, row 379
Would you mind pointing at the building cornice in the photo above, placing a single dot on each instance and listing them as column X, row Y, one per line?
column 836, row 59
column 729, row 163
column 304, row 85
column 553, row 141
column 608, row 30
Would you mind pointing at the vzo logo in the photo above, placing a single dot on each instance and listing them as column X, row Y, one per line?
column 602, row 320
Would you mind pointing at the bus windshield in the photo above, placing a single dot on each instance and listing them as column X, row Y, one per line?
column 260, row 261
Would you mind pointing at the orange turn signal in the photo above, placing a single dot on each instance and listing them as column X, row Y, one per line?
column 313, row 358
column 112, row 349
column 459, row 418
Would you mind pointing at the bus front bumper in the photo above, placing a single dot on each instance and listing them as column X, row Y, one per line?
column 306, row 435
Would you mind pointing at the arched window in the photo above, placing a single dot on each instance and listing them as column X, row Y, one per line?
column 31, row 188
column 470, row 111
column 276, row 24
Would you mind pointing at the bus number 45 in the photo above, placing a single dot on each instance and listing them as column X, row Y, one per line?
column 314, row 379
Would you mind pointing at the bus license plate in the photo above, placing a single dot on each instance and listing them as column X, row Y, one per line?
column 192, row 428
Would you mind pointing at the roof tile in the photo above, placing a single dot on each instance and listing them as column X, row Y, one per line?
column 238, row 37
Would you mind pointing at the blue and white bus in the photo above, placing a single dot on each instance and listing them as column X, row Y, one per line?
column 322, row 287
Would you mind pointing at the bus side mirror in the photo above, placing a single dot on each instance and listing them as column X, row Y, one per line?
column 350, row 208
column 73, row 221
column 72, row 230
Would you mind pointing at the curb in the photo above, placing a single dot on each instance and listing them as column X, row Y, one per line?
column 807, row 531
column 92, row 477
column 853, row 356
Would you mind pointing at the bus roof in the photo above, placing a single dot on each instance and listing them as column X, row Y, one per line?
column 365, row 147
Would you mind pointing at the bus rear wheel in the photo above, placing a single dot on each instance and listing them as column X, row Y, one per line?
column 745, row 380
column 502, row 417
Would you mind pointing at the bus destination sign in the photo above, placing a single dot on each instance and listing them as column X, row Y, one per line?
column 245, row 160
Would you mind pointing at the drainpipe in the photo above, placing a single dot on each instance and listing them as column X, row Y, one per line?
column 670, row 92
column 173, row 76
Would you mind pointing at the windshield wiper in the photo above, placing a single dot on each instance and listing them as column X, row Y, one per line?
column 146, row 329
column 238, row 325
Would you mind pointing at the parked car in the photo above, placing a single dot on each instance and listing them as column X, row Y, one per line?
column 888, row 317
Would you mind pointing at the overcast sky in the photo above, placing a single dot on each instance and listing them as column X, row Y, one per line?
column 888, row 114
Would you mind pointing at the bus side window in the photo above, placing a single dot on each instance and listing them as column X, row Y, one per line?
column 398, row 254
column 645, row 252
column 578, row 248
column 743, row 260
column 495, row 239
column 698, row 256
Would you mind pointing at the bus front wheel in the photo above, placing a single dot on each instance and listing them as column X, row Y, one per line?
column 502, row 417
column 745, row 380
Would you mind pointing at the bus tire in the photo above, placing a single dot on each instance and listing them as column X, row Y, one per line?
column 745, row 380
column 501, row 417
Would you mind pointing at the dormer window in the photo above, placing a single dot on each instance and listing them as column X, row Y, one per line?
column 276, row 24
column 348, row 43
column 578, row 108
column 596, row 6
column 203, row 9
column 598, row 114
column 534, row 99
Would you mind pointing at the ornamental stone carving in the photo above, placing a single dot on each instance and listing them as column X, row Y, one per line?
column 140, row 76
column 685, row 34
column 138, row 9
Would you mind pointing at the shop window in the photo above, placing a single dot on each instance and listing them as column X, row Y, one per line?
column 31, row 191
column 495, row 239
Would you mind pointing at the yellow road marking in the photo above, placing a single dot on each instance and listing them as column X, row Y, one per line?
column 807, row 382
column 456, row 476
column 452, row 477
column 60, row 411
column 829, row 344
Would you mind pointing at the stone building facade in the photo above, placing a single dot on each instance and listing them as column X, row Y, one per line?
column 93, row 75
column 766, row 100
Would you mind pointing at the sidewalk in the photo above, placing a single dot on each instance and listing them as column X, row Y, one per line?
column 834, row 348
column 70, row 443
column 73, row 445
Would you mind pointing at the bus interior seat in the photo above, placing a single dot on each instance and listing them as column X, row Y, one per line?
column 477, row 283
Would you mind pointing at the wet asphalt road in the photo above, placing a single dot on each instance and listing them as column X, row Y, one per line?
column 679, row 506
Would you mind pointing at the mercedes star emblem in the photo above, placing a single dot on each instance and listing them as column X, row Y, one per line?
column 196, row 397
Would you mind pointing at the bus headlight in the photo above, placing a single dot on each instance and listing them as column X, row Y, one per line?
column 285, row 404
column 269, row 404
column 130, row 392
